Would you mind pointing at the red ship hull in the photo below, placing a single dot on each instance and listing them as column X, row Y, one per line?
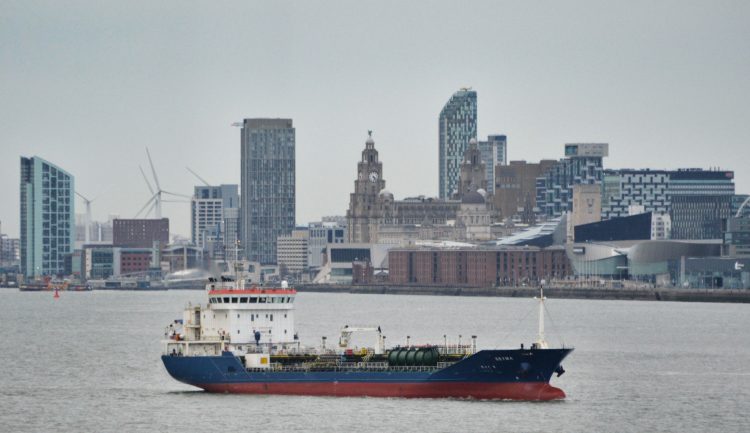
column 475, row 390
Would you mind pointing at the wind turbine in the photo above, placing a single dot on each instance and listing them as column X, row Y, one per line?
column 199, row 178
column 88, row 216
column 154, row 203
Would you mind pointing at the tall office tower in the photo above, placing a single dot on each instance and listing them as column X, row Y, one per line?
column 207, row 209
column 494, row 152
column 267, row 185
column 701, row 199
column 582, row 165
column 47, row 217
column 458, row 125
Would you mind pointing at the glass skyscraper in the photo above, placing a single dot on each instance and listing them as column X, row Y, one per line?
column 47, row 217
column 267, row 186
column 458, row 125
column 494, row 152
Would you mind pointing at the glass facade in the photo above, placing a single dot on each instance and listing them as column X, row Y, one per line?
column 701, row 200
column 458, row 125
column 494, row 152
column 554, row 193
column 267, row 185
column 47, row 217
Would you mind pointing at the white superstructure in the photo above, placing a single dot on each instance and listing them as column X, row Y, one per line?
column 238, row 319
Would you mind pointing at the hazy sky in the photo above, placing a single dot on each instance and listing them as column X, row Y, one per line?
column 88, row 85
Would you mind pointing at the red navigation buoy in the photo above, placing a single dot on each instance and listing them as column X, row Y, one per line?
column 57, row 294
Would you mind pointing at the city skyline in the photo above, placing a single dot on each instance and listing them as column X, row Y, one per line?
column 675, row 100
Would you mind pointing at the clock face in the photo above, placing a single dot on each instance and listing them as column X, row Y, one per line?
column 373, row 176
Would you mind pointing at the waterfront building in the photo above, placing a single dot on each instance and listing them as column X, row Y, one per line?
column 737, row 237
column 267, row 186
column 322, row 233
column 700, row 201
column 583, row 164
column 515, row 189
column 47, row 217
column 10, row 250
column 474, row 218
column 140, row 233
column 622, row 189
column 339, row 259
column 292, row 251
column 365, row 208
column 207, row 217
column 476, row 267
column 494, row 152
column 372, row 206
column 457, row 125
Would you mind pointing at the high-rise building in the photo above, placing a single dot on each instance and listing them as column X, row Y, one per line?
column 701, row 200
column 47, row 217
column 582, row 165
column 140, row 233
column 208, row 206
column 494, row 152
column 457, row 125
column 267, row 186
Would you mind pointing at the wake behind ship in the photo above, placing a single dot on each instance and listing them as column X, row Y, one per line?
column 243, row 341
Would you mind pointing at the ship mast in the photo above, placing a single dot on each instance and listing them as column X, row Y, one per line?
column 541, row 342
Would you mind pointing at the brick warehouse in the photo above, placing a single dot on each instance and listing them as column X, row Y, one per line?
column 476, row 267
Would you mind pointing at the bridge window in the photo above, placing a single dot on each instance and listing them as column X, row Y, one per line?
column 234, row 299
column 226, row 300
column 253, row 300
column 243, row 300
column 271, row 317
column 262, row 300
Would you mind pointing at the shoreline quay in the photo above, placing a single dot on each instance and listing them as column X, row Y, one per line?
column 649, row 294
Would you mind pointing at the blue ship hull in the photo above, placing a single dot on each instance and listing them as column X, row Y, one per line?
column 522, row 374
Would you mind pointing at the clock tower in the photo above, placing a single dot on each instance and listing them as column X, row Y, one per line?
column 364, row 207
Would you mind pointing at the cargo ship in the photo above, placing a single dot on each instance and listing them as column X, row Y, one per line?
column 243, row 341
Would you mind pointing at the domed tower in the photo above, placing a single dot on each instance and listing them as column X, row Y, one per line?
column 364, row 208
column 473, row 174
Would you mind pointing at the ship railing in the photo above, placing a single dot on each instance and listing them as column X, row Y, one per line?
column 364, row 366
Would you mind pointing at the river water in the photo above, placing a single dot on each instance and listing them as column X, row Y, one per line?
column 90, row 362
